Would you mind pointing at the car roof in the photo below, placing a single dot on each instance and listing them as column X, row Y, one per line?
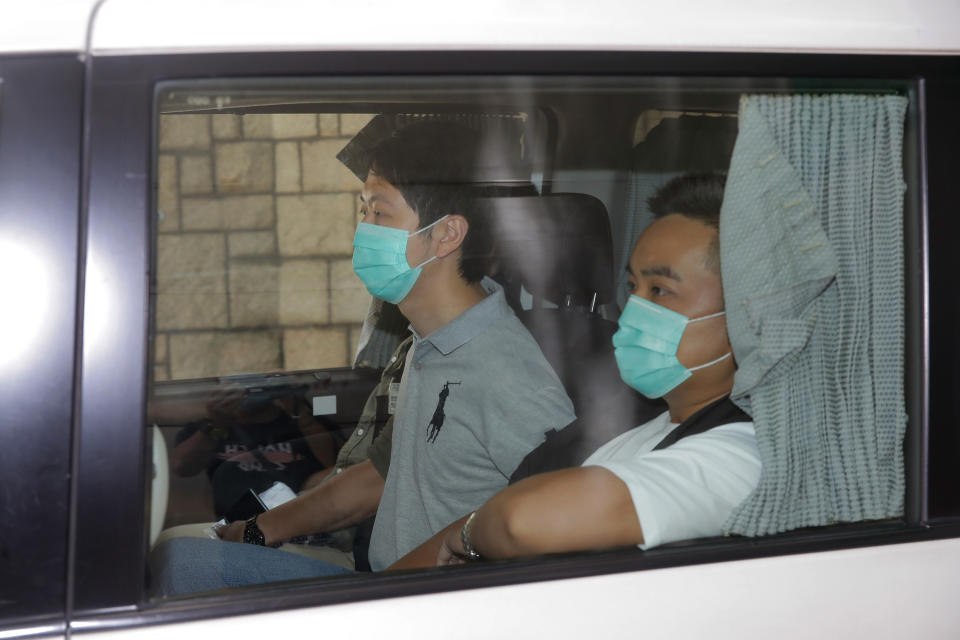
column 44, row 25
column 138, row 26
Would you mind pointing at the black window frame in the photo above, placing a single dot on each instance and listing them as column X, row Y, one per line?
column 110, row 535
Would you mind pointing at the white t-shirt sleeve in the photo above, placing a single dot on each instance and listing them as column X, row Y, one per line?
column 689, row 489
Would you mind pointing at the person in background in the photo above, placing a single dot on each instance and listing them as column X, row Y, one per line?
column 249, row 442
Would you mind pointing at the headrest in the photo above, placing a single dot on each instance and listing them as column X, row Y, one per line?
column 500, row 152
column 687, row 144
column 558, row 247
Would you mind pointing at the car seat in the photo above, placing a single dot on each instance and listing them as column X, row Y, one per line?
column 677, row 145
column 553, row 255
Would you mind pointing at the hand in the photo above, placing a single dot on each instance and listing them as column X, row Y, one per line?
column 298, row 402
column 231, row 532
column 225, row 406
column 299, row 409
column 451, row 550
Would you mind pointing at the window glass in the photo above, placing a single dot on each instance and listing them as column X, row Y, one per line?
column 410, row 297
column 243, row 271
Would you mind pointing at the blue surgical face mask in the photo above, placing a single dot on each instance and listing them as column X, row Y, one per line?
column 380, row 260
column 646, row 346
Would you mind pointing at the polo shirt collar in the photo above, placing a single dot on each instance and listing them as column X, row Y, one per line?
column 471, row 322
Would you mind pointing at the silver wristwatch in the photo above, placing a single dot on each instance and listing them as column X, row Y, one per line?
column 468, row 549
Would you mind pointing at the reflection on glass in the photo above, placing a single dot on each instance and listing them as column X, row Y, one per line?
column 25, row 289
column 544, row 257
column 98, row 305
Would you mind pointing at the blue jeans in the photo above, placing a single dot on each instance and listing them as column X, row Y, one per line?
column 187, row 565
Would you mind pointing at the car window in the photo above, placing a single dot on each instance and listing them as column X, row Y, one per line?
column 304, row 337
column 242, row 268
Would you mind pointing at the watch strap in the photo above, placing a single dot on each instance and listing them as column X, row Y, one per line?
column 252, row 533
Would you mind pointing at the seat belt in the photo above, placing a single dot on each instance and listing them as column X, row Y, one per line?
column 716, row 414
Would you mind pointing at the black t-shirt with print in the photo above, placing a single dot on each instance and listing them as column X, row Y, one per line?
column 254, row 456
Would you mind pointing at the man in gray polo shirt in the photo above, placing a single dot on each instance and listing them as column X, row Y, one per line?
column 476, row 395
column 475, row 398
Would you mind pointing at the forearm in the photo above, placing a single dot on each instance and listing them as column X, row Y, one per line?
column 322, row 444
column 569, row 510
column 345, row 499
column 176, row 410
column 191, row 456
column 426, row 554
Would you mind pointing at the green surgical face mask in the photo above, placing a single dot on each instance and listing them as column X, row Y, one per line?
column 380, row 260
column 646, row 344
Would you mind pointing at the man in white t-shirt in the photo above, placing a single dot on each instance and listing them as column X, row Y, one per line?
column 676, row 477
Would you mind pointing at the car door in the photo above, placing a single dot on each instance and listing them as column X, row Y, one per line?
column 78, row 188
column 41, row 115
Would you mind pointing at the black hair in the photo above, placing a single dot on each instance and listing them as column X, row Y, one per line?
column 697, row 196
column 434, row 164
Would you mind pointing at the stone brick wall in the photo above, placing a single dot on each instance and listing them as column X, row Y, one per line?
column 255, row 228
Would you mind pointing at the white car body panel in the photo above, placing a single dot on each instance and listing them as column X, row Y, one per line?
column 896, row 591
column 893, row 591
column 44, row 25
column 685, row 25
column 127, row 27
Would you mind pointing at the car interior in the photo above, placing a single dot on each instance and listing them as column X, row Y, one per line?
column 257, row 197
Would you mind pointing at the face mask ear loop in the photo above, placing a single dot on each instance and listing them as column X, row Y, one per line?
column 709, row 364
column 435, row 222
column 427, row 261
column 419, row 231
column 712, row 315
column 712, row 362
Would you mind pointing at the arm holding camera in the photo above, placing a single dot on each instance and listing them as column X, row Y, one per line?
column 194, row 453
column 323, row 443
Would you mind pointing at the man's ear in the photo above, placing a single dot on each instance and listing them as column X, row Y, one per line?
column 450, row 234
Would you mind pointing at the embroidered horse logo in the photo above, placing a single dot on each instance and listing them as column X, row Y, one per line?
column 436, row 422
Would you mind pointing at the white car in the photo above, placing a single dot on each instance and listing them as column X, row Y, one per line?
column 176, row 215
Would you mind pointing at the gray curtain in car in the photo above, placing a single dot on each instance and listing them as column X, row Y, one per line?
column 811, row 239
